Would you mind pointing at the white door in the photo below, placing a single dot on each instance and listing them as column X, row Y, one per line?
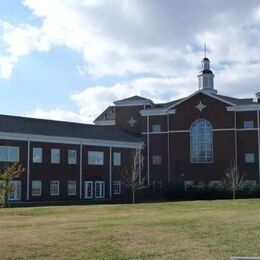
column 99, row 189
column 88, row 189
column 15, row 190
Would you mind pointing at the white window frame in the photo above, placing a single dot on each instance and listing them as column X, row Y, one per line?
column 202, row 140
column 52, row 183
column 35, row 155
column 86, row 189
column 156, row 159
column 248, row 124
column 74, row 188
column 40, row 188
column 101, row 194
column 117, row 159
column 53, row 151
column 96, row 161
column 74, row 161
column 116, row 187
column 249, row 157
column 19, row 194
column 7, row 150
column 156, row 128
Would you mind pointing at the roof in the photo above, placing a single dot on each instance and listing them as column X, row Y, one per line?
column 108, row 114
column 134, row 98
column 32, row 126
column 236, row 101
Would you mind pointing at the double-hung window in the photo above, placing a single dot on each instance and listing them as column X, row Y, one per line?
column 36, row 188
column 95, row 158
column 116, row 187
column 9, row 153
column 156, row 128
column 54, row 188
column 72, row 188
column 37, row 155
column 72, row 156
column 248, row 124
column 117, row 159
column 55, row 156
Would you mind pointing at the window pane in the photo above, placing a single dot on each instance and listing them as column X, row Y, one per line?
column 72, row 188
column 157, row 159
column 36, row 188
column 117, row 159
column 95, row 158
column 54, row 188
column 116, row 187
column 37, row 155
column 3, row 153
column 249, row 157
column 13, row 153
column 201, row 142
column 72, row 156
column 156, row 128
column 55, row 156
column 248, row 124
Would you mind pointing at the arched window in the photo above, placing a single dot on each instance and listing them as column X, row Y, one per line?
column 201, row 147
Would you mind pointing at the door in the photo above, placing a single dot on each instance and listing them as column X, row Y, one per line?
column 88, row 189
column 15, row 190
column 99, row 189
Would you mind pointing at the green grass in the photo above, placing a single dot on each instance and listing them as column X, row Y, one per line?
column 178, row 230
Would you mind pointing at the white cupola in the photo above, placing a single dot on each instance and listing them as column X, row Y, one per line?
column 206, row 77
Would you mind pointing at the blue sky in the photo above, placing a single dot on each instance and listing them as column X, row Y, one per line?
column 69, row 59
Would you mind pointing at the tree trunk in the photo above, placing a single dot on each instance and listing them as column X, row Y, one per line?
column 133, row 197
column 234, row 194
column 5, row 194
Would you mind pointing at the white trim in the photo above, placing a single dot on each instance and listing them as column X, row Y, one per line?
column 102, row 191
column 155, row 133
column 28, row 169
column 239, row 108
column 198, row 92
column 258, row 137
column 168, row 148
column 148, row 149
column 80, row 172
column 110, row 172
column 132, row 103
column 86, row 193
column 68, row 140
column 157, row 112
column 104, row 122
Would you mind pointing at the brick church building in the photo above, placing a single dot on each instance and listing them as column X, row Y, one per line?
column 185, row 141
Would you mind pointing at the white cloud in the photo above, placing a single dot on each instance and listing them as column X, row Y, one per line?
column 159, row 38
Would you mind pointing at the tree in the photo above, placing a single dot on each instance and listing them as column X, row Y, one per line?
column 233, row 179
column 132, row 177
column 9, row 172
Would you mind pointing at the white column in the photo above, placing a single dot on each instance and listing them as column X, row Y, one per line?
column 28, row 170
column 258, row 139
column 80, row 171
column 110, row 172
column 148, row 150
column 235, row 122
column 168, row 146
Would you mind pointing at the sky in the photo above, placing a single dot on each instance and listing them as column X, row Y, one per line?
column 70, row 59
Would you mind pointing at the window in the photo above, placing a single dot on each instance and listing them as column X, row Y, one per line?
column 55, row 188
column 157, row 159
column 55, row 156
column 116, row 187
column 72, row 188
column 248, row 124
column 37, row 155
column 201, row 142
column 72, row 157
column 9, row 153
column 95, row 158
column 36, row 188
column 249, row 158
column 99, row 189
column 156, row 128
column 214, row 184
column 117, row 159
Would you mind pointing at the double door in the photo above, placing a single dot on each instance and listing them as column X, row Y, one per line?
column 94, row 189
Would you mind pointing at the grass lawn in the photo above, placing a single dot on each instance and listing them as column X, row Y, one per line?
column 178, row 230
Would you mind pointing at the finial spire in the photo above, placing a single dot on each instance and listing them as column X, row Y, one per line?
column 205, row 50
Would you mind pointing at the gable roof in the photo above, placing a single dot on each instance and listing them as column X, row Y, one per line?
column 133, row 98
column 237, row 101
column 32, row 126
column 133, row 101
column 108, row 114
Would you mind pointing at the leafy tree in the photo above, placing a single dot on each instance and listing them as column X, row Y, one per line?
column 9, row 172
